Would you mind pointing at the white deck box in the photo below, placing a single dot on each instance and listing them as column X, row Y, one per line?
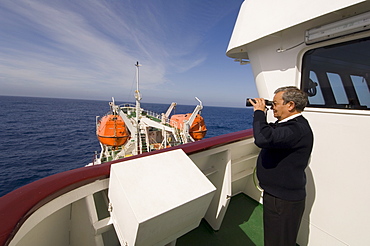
column 158, row 198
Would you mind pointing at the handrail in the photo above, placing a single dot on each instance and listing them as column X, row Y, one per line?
column 18, row 205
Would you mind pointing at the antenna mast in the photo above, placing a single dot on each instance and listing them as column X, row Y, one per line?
column 138, row 98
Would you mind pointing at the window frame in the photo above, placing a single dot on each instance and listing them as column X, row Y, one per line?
column 327, row 60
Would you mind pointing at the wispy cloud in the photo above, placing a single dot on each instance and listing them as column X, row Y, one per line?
column 92, row 45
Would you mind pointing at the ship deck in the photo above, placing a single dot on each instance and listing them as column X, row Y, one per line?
column 242, row 225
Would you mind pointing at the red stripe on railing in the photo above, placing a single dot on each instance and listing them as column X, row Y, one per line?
column 18, row 205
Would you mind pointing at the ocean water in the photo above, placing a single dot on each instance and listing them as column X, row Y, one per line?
column 43, row 136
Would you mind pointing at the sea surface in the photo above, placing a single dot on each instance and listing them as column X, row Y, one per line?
column 44, row 136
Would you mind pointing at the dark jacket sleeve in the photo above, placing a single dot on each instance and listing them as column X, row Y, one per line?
column 277, row 136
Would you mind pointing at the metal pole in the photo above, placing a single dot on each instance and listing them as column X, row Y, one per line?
column 138, row 98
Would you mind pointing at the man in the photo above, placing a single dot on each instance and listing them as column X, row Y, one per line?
column 285, row 150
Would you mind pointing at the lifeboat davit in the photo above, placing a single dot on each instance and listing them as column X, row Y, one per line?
column 112, row 131
column 197, row 130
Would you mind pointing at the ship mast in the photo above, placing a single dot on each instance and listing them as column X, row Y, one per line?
column 138, row 98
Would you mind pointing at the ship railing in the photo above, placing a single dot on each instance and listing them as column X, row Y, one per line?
column 132, row 108
column 24, row 201
column 127, row 105
column 152, row 114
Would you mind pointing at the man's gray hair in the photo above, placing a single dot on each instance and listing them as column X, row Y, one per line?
column 292, row 93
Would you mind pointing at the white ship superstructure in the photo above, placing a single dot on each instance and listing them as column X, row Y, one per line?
column 322, row 47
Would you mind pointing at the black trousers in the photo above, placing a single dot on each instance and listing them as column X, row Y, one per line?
column 281, row 220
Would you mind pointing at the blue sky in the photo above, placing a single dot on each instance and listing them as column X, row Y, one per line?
column 87, row 49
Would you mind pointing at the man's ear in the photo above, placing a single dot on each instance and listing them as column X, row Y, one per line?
column 291, row 106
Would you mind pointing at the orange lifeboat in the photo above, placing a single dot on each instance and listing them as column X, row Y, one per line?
column 112, row 131
column 197, row 130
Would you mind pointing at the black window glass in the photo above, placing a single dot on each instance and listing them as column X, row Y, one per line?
column 338, row 76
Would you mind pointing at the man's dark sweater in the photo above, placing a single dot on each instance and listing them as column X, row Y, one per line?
column 285, row 150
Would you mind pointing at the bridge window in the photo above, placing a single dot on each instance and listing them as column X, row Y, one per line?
column 338, row 76
column 338, row 89
column 318, row 99
column 362, row 89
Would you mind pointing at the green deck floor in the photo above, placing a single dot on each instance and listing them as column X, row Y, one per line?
column 242, row 225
